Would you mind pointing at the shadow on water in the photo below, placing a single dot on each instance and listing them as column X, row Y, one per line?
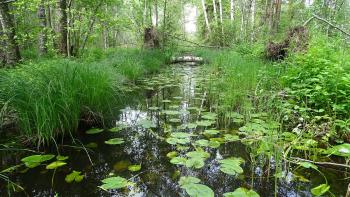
column 169, row 102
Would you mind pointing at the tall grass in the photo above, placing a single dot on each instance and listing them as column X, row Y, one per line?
column 48, row 98
column 238, row 78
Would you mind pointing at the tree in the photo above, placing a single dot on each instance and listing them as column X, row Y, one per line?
column 62, row 27
column 42, row 41
column 232, row 10
column 12, row 49
column 206, row 16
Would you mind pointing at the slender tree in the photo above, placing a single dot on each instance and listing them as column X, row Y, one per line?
column 232, row 10
column 42, row 23
column 62, row 27
column 12, row 49
column 206, row 16
column 215, row 12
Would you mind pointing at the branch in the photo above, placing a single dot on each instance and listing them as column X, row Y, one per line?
column 325, row 21
column 322, row 163
column 7, row 1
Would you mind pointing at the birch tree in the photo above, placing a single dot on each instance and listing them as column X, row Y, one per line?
column 232, row 10
column 62, row 27
column 206, row 16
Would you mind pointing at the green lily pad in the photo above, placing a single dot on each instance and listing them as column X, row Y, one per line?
column 231, row 138
column 61, row 158
column 94, row 131
column 134, row 168
column 211, row 132
column 171, row 154
column 114, row 183
column 75, row 176
column 205, row 123
column 241, row 192
column 194, row 189
column 231, row 165
column 147, row 124
column 178, row 161
column 55, row 165
column 35, row 160
column 203, row 143
column 115, row 141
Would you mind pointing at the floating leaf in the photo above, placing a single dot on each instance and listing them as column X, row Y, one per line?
column 147, row 124
column 35, row 160
column 178, row 161
column 74, row 176
column 153, row 108
column 114, row 183
column 175, row 141
column 61, row 158
column 194, row 189
column 91, row 145
column 209, row 116
column 231, row 166
column 320, row 190
column 134, row 168
column 174, row 120
column 214, row 144
column 117, row 128
column 171, row 112
column 230, row 138
column 203, row 143
column 94, row 131
column 114, row 141
column 171, row 154
column 211, row 132
column 195, row 162
column 242, row 192
column 55, row 165
column 181, row 135
column 205, row 123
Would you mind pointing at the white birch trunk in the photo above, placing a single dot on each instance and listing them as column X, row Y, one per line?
column 206, row 16
column 215, row 12
column 232, row 10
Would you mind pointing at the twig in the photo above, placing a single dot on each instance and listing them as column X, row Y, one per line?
column 321, row 163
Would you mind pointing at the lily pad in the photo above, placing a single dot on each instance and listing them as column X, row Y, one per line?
column 205, row 123
column 114, row 183
column 115, row 141
column 178, row 160
column 147, row 124
column 134, row 168
column 194, row 189
column 241, row 192
column 211, row 132
column 75, row 176
column 94, row 131
column 231, row 165
column 35, row 160
column 61, row 158
column 231, row 138
column 203, row 143
column 55, row 165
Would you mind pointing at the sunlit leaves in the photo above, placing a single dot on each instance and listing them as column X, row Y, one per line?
column 193, row 188
column 178, row 160
column 242, row 192
column 231, row 166
column 320, row 190
column 94, row 131
column 307, row 165
column 147, row 124
column 134, row 168
column 114, row 141
column 56, row 164
column 75, row 176
column 342, row 150
column 114, row 183
column 35, row 160
column 205, row 123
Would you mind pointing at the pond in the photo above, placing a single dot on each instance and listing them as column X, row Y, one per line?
column 168, row 132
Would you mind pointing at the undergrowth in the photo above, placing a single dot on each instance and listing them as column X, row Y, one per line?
column 48, row 98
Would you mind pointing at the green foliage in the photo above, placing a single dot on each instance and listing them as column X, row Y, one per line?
column 114, row 183
column 35, row 160
column 75, row 176
column 242, row 192
column 193, row 188
column 231, row 166
column 114, row 141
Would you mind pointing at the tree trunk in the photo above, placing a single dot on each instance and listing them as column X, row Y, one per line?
column 252, row 19
column 164, row 24
column 206, row 16
column 221, row 18
column 232, row 10
column 62, row 27
column 215, row 12
column 156, row 11
column 276, row 15
column 42, row 23
column 12, row 49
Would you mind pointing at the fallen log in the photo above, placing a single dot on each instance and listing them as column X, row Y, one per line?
column 187, row 59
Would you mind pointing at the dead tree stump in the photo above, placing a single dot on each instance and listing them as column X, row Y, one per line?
column 296, row 41
column 151, row 39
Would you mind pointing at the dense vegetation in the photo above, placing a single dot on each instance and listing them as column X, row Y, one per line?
column 274, row 80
